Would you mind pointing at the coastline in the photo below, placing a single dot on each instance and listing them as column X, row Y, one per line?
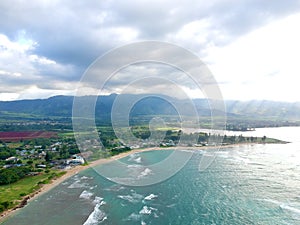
column 73, row 171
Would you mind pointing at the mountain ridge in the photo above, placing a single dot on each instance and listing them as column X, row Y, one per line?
column 61, row 106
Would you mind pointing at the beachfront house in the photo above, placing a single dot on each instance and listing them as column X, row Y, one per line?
column 77, row 159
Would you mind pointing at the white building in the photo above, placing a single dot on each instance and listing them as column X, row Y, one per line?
column 76, row 160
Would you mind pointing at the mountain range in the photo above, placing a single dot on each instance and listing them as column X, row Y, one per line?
column 61, row 107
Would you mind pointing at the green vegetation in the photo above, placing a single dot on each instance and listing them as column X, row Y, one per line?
column 11, row 175
column 12, row 194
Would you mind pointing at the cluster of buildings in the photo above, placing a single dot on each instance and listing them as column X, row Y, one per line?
column 37, row 155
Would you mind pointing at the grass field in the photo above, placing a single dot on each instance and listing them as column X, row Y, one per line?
column 14, row 144
column 10, row 195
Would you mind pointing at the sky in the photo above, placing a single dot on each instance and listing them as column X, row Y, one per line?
column 251, row 47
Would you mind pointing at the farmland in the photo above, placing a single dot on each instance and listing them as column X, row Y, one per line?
column 26, row 135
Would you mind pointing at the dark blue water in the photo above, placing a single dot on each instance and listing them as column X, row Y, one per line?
column 253, row 184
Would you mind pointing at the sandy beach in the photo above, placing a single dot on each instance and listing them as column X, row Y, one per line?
column 74, row 170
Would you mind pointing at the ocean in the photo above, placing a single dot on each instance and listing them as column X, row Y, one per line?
column 247, row 184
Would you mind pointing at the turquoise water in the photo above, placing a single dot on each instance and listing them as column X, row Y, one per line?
column 254, row 184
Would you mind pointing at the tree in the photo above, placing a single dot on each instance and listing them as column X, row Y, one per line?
column 48, row 157
column 241, row 138
column 4, row 155
column 169, row 133
column 8, row 176
column 30, row 162
column 63, row 152
column 5, row 204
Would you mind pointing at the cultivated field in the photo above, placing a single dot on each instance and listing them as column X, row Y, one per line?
column 26, row 135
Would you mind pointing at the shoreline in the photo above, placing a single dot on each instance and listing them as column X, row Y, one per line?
column 75, row 170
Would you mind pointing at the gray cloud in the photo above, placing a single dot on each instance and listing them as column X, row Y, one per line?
column 74, row 33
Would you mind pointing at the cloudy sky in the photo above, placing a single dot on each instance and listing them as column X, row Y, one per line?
column 252, row 47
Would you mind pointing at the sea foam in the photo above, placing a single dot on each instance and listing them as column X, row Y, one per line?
column 145, row 173
column 133, row 198
column 145, row 210
column 98, row 200
column 86, row 195
column 134, row 217
column 77, row 184
column 150, row 197
column 86, row 178
column 290, row 208
column 96, row 217
column 135, row 158
column 283, row 206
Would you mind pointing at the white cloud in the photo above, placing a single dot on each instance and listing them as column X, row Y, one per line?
column 34, row 92
column 20, row 69
column 21, row 45
column 53, row 52
column 262, row 64
column 41, row 60
column 9, row 96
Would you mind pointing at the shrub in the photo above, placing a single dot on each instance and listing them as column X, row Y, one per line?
column 5, row 204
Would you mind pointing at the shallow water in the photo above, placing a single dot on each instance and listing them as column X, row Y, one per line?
column 253, row 184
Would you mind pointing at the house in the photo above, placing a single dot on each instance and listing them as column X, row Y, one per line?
column 12, row 159
column 22, row 152
column 42, row 154
column 41, row 166
column 76, row 160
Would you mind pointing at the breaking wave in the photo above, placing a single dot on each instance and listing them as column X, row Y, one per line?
column 96, row 217
column 133, row 198
column 86, row 195
column 135, row 158
column 150, row 197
